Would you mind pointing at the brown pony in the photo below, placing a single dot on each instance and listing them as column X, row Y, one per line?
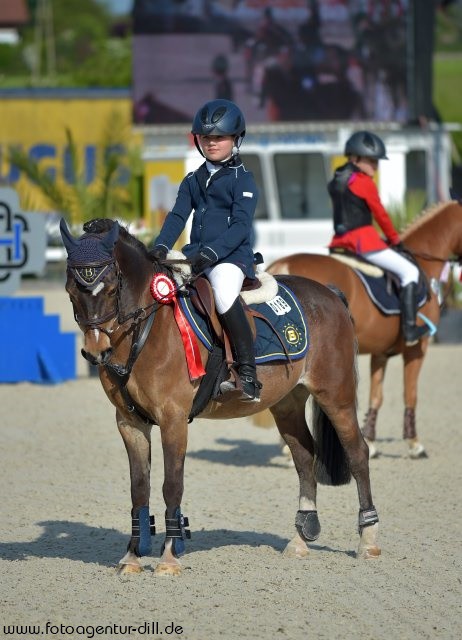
column 434, row 238
column 138, row 348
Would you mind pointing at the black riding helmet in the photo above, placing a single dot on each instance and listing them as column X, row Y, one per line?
column 366, row 145
column 219, row 118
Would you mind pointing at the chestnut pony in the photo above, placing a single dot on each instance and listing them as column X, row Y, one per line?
column 138, row 348
column 434, row 239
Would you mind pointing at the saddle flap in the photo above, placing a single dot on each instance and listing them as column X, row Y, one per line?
column 205, row 304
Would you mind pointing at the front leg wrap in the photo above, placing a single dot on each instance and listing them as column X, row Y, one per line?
column 308, row 525
column 143, row 527
column 176, row 529
column 367, row 517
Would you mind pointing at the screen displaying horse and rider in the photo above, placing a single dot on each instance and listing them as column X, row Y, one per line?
column 295, row 60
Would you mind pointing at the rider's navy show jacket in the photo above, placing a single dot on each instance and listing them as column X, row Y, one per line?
column 223, row 213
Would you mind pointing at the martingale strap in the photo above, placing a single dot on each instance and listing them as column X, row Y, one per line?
column 120, row 374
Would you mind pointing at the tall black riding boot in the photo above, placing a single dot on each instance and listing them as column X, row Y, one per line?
column 412, row 333
column 237, row 327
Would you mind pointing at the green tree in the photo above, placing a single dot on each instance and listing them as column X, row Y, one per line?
column 115, row 193
column 77, row 35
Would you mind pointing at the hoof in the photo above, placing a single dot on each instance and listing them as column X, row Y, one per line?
column 123, row 569
column 368, row 553
column 373, row 451
column 368, row 548
column 296, row 548
column 417, row 451
column 164, row 569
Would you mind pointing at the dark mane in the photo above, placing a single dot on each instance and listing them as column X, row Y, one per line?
column 104, row 225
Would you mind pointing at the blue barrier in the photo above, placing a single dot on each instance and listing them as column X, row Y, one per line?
column 32, row 347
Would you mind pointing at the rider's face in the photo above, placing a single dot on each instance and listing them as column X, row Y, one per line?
column 216, row 148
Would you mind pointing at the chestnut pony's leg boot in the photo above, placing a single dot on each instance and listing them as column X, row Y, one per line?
column 236, row 325
column 412, row 332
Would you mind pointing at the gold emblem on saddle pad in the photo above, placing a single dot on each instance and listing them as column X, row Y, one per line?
column 292, row 334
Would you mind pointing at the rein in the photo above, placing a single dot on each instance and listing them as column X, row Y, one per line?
column 429, row 257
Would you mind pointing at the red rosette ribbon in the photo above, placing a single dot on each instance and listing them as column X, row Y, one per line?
column 163, row 290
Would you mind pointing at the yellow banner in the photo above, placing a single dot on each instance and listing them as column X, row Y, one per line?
column 38, row 126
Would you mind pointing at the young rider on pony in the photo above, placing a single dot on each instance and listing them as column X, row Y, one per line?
column 356, row 203
column 222, row 195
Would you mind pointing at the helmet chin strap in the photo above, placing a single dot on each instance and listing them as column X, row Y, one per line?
column 198, row 147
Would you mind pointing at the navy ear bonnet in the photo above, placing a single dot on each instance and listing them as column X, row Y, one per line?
column 91, row 249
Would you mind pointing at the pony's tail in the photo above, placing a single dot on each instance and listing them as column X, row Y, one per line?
column 330, row 463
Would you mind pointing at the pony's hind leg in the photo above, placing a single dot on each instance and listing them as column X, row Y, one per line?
column 355, row 448
column 289, row 415
column 378, row 364
column 137, row 440
column 413, row 360
column 341, row 450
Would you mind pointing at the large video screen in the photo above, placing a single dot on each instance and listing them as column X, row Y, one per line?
column 281, row 61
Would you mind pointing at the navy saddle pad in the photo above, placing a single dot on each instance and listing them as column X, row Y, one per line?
column 285, row 315
column 385, row 296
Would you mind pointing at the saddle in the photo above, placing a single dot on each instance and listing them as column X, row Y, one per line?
column 362, row 264
column 356, row 261
column 382, row 286
column 220, row 363
column 201, row 295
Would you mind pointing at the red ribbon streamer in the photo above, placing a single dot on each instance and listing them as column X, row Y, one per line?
column 191, row 348
column 163, row 290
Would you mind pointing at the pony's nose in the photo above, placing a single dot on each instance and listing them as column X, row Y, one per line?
column 101, row 358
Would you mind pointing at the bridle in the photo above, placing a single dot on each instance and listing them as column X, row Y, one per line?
column 90, row 276
column 431, row 258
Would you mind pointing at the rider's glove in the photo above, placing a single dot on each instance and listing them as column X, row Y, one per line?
column 200, row 261
column 158, row 253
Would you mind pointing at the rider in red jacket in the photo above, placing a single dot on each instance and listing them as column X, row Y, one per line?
column 357, row 205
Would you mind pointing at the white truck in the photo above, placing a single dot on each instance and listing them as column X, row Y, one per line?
column 292, row 164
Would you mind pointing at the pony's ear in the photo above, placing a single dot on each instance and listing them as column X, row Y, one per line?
column 454, row 195
column 111, row 238
column 68, row 239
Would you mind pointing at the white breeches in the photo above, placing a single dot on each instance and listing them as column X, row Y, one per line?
column 393, row 261
column 226, row 280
